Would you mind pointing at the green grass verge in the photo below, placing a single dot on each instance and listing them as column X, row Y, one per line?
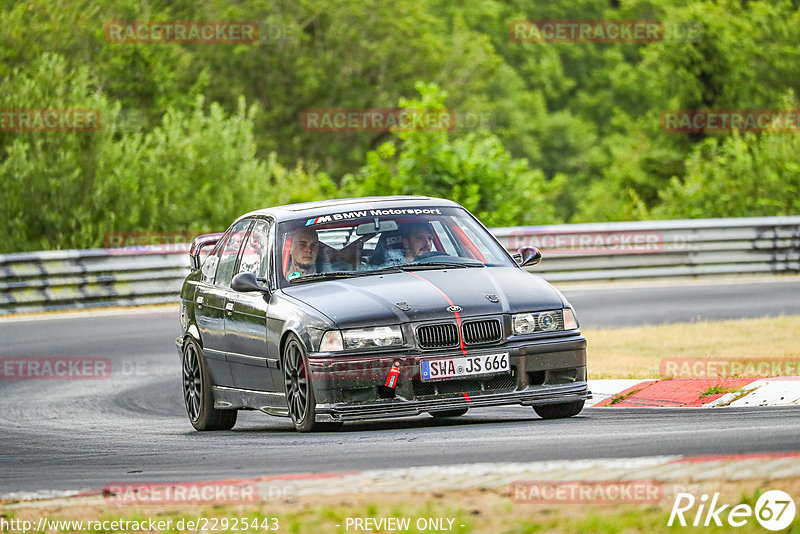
column 473, row 511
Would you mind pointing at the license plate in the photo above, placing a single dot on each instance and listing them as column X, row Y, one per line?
column 464, row 366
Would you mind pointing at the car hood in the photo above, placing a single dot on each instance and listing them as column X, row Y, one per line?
column 413, row 296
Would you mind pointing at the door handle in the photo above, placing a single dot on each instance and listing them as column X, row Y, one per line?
column 229, row 308
column 200, row 301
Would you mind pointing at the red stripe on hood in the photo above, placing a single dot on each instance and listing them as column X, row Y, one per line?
column 458, row 315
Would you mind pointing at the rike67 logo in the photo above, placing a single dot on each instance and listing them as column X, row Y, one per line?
column 774, row 510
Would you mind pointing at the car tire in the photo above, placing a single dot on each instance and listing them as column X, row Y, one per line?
column 449, row 413
column 297, row 386
column 197, row 396
column 559, row 411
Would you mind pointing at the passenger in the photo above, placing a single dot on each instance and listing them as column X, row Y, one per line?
column 303, row 259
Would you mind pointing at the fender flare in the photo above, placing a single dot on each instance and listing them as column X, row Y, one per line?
column 193, row 332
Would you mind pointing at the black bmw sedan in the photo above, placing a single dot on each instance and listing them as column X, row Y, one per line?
column 370, row 308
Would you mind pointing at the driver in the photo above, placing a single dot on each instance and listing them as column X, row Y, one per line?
column 417, row 240
column 305, row 247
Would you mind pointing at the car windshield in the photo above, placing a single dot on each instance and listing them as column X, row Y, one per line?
column 344, row 244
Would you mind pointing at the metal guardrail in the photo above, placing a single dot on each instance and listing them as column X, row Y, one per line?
column 74, row 279
column 654, row 249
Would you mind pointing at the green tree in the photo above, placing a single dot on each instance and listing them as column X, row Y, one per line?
column 196, row 171
column 742, row 175
column 475, row 171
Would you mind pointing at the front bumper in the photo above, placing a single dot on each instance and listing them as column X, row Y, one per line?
column 543, row 371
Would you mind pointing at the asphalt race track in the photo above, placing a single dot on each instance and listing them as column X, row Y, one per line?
column 73, row 435
column 646, row 303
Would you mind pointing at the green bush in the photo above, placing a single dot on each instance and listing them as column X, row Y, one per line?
column 475, row 171
column 560, row 131
column 196, row 171
column 738, row 176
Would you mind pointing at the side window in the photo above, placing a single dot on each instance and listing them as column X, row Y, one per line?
column 255, row 251
column 229, row 251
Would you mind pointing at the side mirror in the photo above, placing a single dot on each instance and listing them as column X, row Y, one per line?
column 246, row 282
column 528, row 256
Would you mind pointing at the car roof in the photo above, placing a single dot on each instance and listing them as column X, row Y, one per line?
column 323, row 207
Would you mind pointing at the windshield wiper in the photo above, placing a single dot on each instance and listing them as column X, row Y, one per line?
column 322, row 276
column 389, row 269
column 439, row 265
column 383, row 270
column 344, row 274
column 422, row 266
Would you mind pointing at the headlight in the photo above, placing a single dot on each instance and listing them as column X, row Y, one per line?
column 524, row 323
column 547, row 321
column 359, row 338
column 530, row 323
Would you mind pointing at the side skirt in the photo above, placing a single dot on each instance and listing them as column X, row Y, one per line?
column 226, row 398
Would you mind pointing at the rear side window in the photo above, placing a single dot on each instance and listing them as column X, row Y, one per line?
column 228, row 251
column 209, row 268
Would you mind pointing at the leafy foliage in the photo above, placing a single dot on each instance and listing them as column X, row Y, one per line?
column 739, row 176
column 475, row 171
column 195, row 134
column 193, row 172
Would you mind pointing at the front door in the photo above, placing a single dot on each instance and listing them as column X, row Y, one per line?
column 246, row 318
column 212, row 300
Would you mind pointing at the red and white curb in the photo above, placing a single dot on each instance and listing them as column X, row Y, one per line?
column 695, row 392
column 675, row 471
